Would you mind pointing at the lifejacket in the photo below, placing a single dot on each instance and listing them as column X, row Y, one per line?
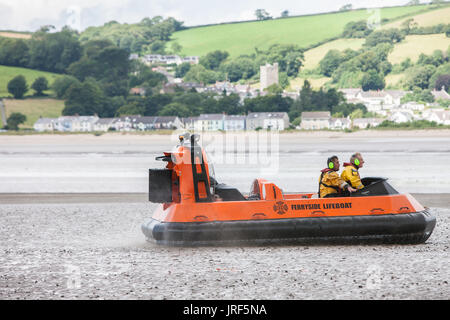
column 336, row 187
column 350, row 174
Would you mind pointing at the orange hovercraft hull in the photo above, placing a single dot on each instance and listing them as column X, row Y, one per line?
column 377, row 213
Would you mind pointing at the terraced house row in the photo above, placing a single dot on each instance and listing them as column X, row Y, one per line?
column 204, row 122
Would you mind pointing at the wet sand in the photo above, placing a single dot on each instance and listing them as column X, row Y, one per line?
column 97, row 251
column 88, row 245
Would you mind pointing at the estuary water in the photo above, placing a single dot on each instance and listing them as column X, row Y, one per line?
column 413, row 162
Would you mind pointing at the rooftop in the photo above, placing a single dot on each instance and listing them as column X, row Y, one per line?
column 316, row 115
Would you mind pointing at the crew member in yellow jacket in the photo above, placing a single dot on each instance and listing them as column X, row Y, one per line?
column 330, row 184
column 350, row 174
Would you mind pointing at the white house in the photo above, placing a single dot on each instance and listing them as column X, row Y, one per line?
column 350, row 93
column 401, row 116
column 267, row 120
column 440, row 116
column 315, row 120
column 65, row 123
column 276, row 121
column 210, row 122
column 364, row 123
column 376, row 101
column 84, row 123
column 126, row 123
column 340, row 123
column 104, row 124
column 411, row 105
column 45, row 124
column 168, row 122
column 189, row 123
column 234, row 123
column 441, row 94
column 169, row 59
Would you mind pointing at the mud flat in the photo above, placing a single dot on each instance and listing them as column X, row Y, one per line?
column 97, row 251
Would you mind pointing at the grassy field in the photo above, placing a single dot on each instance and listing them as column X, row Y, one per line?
column 34, row 108
column 313, row 56
column 297, row 83
column 414, row 45
column 242, row 38
column 425, row 19
column 393, row 80
column 8, row 73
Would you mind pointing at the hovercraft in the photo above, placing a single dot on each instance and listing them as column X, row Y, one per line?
column 195, row 209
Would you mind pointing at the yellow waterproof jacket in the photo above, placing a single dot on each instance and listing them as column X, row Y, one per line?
column 330, row 182
column 350, row 174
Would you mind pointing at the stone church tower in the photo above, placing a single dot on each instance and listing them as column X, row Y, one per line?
column 268, row 75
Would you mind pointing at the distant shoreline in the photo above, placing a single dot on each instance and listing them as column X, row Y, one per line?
column 98, row 137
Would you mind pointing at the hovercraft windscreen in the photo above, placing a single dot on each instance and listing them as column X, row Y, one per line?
column 375, row 187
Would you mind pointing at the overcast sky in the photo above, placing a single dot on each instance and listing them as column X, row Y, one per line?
column 29, row 15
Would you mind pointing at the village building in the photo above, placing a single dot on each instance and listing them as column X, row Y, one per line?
column 84, row 123
column 45, row 124
column 375, row 101
column 210, row 122
column 189, row 123
column 441, row 94
column 401, row 116
column 440, row 116
column 141, row 123
column 65, row 124
column 340, row 123
column 134, row 56
column 2, row 113
column 414, row 106
column 169, row 59
column 104, row 124
column 167, row 123
column 137, row 91
column 315, row 120
column 234, row 123
column 350, row 93
column 267, row 120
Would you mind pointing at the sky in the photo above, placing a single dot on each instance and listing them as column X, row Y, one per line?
column 30, row 15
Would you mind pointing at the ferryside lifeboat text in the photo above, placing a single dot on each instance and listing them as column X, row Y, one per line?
column 318, row 206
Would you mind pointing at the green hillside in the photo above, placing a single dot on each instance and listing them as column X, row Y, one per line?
column 8, row 73
column 414, row 45
column 306, row 31
column 426, row 19
column 314, row 55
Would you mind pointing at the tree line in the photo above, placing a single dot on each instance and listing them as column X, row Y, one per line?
column 368, row 66
column 218, row 66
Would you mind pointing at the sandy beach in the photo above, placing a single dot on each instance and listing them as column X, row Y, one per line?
column 145, row 138
column 97, row 251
